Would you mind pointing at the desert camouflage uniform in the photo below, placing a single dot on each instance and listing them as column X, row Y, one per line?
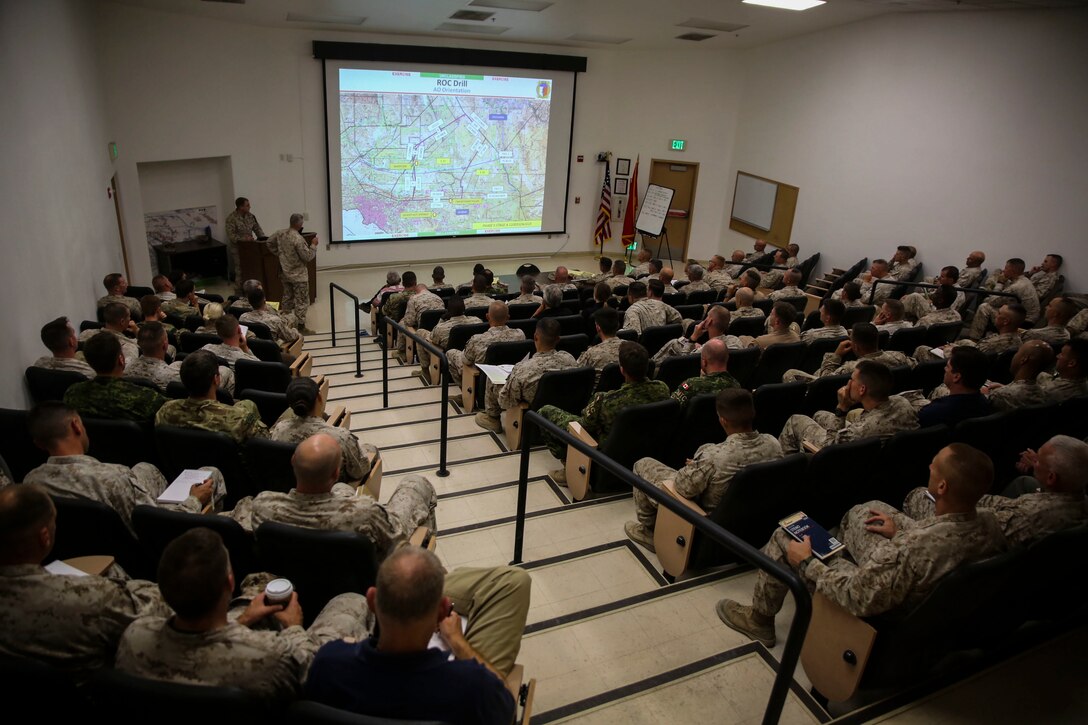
column 596, row 279
column 991, row 345
column 918, row 305
column 295, row 254
column 773, row 338
column 440, row 285
column 239, row 225
column 1018, row 394
column 128, row 345
column 106, row 397
column 649, row 313
column 786, row 293
column 1047, row 285
column 131, row 303
column 264, row 662
column 524, row 299
column 890, row 574
column 902, row 271
column 1058, row 389
column 1024, row 519
column 735, row 270
column 158, row 372
column 229, row 353
column 1051, row 334
column 718, row 280
column 281, row 328
column 521, row 384
column 743, row 312
column 620, row 280
column 355, row 466
column 703, row 384
column 601, row 411
column 826, row 428
column 1079, row 323
column 396, row 304
column 72, row 623
column 417, row 304
column 601, row 355
column 478, row 299
column 641, row 270
column 833, row 365
column 440, row 336
column 969, row 277
column 939, row 317
column 684, row 346
column 476, row 349
column 179, row 307
column 240, row 421
column 119, row 487
column 69, row 364
column 387, row 525
column 987, row 311
column 706, row 479
column 823, row 333
column 891, row 327
column 699, row 286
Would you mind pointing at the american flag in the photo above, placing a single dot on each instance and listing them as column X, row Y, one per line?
column 603, row 233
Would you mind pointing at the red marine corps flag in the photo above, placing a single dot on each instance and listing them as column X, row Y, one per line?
column 603, row 233
column 631, row 214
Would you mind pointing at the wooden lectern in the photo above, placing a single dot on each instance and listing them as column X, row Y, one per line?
column 259, row 263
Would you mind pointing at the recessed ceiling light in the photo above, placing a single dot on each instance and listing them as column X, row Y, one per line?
column 474, row 15
column 695, row 36
column 704, row 24
column 534, row 6
column 330, row 19
column 476, row 29
column 786, row 4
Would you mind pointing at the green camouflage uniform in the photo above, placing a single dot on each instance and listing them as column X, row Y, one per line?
column 131, row 303
column 240, row 421
column 597, row 417
column 709, row 383
column 106, row 397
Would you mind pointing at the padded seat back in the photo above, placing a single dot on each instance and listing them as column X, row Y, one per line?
column 1000, row 369
column 261, row 330
column 182, row 448
column 942, row 333
column 907, row 339
column 527, row 326
column 776, row 360
column 861, row 313
column 927, row 375
column 635, row 433
column 815, row 351
column 674, row 370
column 121, row 441
column 48, row 384
column 269, row 376
column 775, row 403
column 193, row 341
column 460, row 334
column 523, row 311
column 156, row 527
column 750, row 326
column 702, row 297
column 574, row 344
column 265, row 350
column 176, row 391
column 823, row 393
column 842, row 475
column 691, row 311
column 910, row 452
column 742, row 365
column 129, row 699
column 429, row 318
column 611, row 378
column 799, row 303
column 320, row 564
column 566, row 389
column 270, row 405
column 509, row 352
column 16, row 447
column 654, row 338
column 269, row 464
column 698, row 425
column 480, row 312
column 89, row 528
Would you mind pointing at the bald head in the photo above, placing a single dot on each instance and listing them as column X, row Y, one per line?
column 714, row 356
column 409, row 587
column 719, row 320
column 316, row 463
column 976, row 258
column 965, row 472
column 1031, row 359
column 745, row 296
column 498, row 313
column 792, row 277
column 738, row 256
column 667, row 274
column 27, row 524
column 562, row 276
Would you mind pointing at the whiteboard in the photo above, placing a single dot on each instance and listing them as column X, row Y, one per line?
column 655, row 205
column 753, row 201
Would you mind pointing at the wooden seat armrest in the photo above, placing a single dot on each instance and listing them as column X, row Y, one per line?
column 423, row 536
column 832, row 634
column 293, row 348
column 340, row 417
column 322, row 386
column 670, row 487
column 93, row 565
column 575, row 429
column 302, row 365
column 470, row 378
column 810, row 447
column 372, row 484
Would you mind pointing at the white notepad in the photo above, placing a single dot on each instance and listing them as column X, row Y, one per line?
column 178, row 490
column 62, row 569
column 497, row 374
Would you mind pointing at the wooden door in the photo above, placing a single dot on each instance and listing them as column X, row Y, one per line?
column 681, row 176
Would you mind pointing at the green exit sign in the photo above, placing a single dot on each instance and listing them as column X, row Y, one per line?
column 678, row 144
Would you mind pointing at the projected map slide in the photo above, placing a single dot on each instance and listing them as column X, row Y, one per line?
column 438, row 154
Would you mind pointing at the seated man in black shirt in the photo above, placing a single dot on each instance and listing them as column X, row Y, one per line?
column 400, row 675
column 964, row 374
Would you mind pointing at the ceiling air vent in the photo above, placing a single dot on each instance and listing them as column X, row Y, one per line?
column 704, row 24
column 475, row 15
column 695, row 36
column 533, row 6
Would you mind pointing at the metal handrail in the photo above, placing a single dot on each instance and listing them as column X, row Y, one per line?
column 796, row 637
column 332, row 323
column 929, row 285
column 444, row 367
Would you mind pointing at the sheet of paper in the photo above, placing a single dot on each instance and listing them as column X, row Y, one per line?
column 440, row 644
column 178, row 490
column 244, row 329
column 938, row 351
column 497, row 374
column 59, row 567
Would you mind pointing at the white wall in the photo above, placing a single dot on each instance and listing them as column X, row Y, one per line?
column 182, row 87
column 185, row 184
column 948, row 131
column 60, row 231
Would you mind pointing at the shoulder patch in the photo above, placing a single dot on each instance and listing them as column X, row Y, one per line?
column 684, row 386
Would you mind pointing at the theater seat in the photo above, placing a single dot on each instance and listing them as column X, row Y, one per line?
column 775, row 361
column 129, row 699
column 270, row 405
column 48, row 384
column 182, row 448
column 742, row 365
column 566, row 389
column 156, row 527
column 841, row 475
column 654, row 338
column 87, row 528
column 269, row 464
column 674, row 370
column 698, row 426
column 775, row 403
column 16, row 447
column 121, row 441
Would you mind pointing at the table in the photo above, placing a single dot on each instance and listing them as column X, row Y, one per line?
column 198, row 257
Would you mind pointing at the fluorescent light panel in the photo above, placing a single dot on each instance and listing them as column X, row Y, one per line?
column 591, row 38
column 786, row 4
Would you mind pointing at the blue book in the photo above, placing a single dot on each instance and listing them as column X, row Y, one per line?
column 799, row 525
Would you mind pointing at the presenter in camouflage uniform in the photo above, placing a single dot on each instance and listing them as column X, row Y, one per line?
column 896, row 561
column 242, row 226
column 294, row 253
column 597, row 417
column 707, row 475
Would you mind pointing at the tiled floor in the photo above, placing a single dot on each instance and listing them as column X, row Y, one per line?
column 608, row 639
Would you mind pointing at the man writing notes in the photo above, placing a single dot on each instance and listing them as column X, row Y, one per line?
column 294, row 253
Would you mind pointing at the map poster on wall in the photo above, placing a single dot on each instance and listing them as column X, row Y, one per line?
column 179, row 225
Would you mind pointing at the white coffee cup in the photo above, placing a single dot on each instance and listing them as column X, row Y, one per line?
column 278, row 591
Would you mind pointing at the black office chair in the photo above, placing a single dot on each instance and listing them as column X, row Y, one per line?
column 129, row 699
column 121, row 441
column 776, row 360
column 320, row 564
column 775, row 403
column 89, row 528
column 156, row 527
column 654, row 338
column 16, row 447
column 48, row 384
column 271, row 377
column 270, row 405
column 182, row 448
column 675, row 370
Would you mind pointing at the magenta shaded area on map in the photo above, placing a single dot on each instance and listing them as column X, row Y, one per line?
column 373, row 212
